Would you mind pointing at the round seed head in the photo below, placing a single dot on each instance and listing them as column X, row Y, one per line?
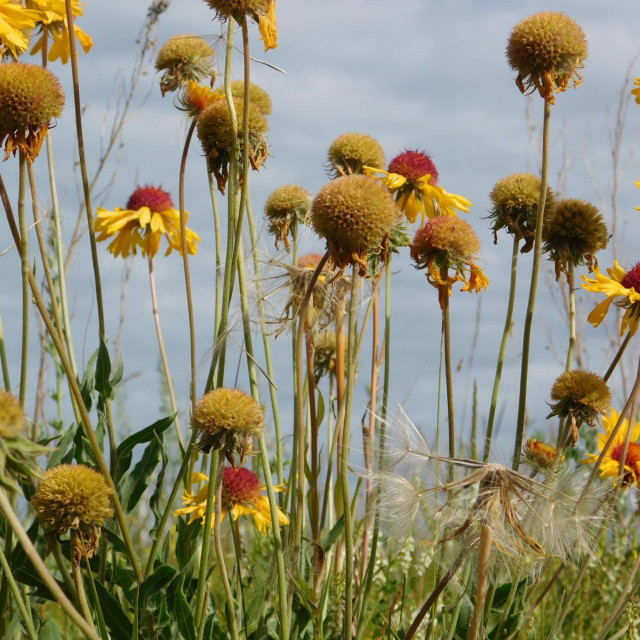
column 156, row 198
column 227, row 419
column 73, row 497
column 547, row 49
column 515, row 207
column 257, row 96
column 576, row 232
column 286, row 205
column 354, row 214
column 413, row 164
column 351, row 151
column 226, row 8
column 182, row 58
column 11, row 416
column 631, row 279
column 30, row 98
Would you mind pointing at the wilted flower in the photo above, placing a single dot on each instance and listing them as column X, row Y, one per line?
column 575, row 233
column 540, row 455
column 547, row 49
column 580, row 396
column 620, row 287
column 183, row 58
column 354, row 214
column 149, row 215
column 445, row 243
column 227, row 419
column 515, row 207
column 77, row 498
column 413, row 179
column 351, row 152
column 195, row 98
column 324, row 353
column 287, row 205
column 240, row 495
column 30, row 98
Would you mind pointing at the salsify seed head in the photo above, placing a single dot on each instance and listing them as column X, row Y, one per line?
column 547, row 49
column 445, row 240
column 156, row 198
column 413, row 164
column 350, row 152
column 30, row 98
column 285, row 206
column 257, row 96
column 515, row 200
column 575, row 233
column 184, row 57
column 631, row 279
column 354, row 214
column 240, row 485
column 11, row 416
column 227, row 419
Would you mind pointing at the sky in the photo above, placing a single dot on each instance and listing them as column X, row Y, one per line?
column 413, row 74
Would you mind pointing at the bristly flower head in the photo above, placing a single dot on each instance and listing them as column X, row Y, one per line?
column 216, row 132
column 354, row 214
column 621, row 287
column 286, row 206
column 580, row 396
column 351, row 152
column 228, row 419
column 257, row 96
column 574, row 235
column 241, row 495
column 515, row 207
column 445, row 243
column 73, row 497
column 30, row 98
column 547, row 49
column 148, row 216
column 182, row 58
column 413, row 179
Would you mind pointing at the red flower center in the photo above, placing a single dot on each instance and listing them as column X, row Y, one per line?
column 240, row 485
column 633, row 460
column 632, row 278
column 153, row 197
column 413, row 165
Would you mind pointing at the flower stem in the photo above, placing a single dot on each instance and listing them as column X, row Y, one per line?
column 17, row 596
column 24, row 264
column 572, row 318
column 446, row 328
column 78, row 581
column 528, row 323
column 503, row 348
column 616, row 358
column 163, row 353
column 6, row 380
column 484, row 553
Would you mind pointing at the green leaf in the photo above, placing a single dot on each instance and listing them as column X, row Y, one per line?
column 332, row 537
column 88, row 382
column 154, row 501
column 182, row 613
column 103, row 371
column 119, row 372
column 320, row 408
column 157, row 581
column 136, row 482
column 49, row 630
column 125, row 448
column 115, row 618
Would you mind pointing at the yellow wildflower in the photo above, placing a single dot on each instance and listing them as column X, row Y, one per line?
column 14, row 21
column 636, row 92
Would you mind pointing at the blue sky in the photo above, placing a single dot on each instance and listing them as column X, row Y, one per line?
column 413, row 74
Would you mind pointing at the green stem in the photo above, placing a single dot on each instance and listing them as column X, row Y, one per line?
column 572, row 318
column 484, row 553
column 446, row 329
column 6, row 380
column 218, row 245
column 17, row 596
column 503, row 349
column 78, row 581
column 24, row 263
column 528, row 323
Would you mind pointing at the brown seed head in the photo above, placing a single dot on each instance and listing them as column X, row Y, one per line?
column 351, row 151
column 182, row 58
column 226, row 8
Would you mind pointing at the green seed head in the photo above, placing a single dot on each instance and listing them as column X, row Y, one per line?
column 546, row 50
column 182, row 58
column 286, row 205
column 354, row 214
column 351, row 151
column 257, row 96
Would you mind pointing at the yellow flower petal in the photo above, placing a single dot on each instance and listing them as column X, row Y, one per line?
column 268, row 27
column 600, row 311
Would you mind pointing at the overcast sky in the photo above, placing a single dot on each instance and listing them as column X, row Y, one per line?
column 413, row 74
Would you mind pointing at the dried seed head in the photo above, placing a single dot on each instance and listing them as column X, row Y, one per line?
column 351, row 151
column 575, row 233
column 73, row 497
column 257, row 96
column 354, row 214
column 445, row 240
column 226, row 8
column 11, row 416
column 227, row 419
column 547, row 49
column 285, row 206
column 182, row 58
column 30, row 98
column 515, row 207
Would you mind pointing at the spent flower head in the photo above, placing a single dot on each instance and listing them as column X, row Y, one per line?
column 351, row 152
column 227, row 419
column 30, row 99
column 547, row 49
column 515, row 201
column 286, row 206
column 77, row 498
column 182, row 58
column 540, row 455
column 258, row 96
column 148, row 216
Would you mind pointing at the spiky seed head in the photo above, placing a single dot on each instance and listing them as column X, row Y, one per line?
column 515, row 207
column 226, row 8
column 227, row 419
column 580, row 396
column 575, row 233
column 11, row 416
column 156, row 198
column 257, row 96
column 350, row 152
column 413, row 164
column 286, row 205
column 30, row 98
column 77, row 498
column 353, row 214
column 547, row 49
column 184, row 57
column 446, row 241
